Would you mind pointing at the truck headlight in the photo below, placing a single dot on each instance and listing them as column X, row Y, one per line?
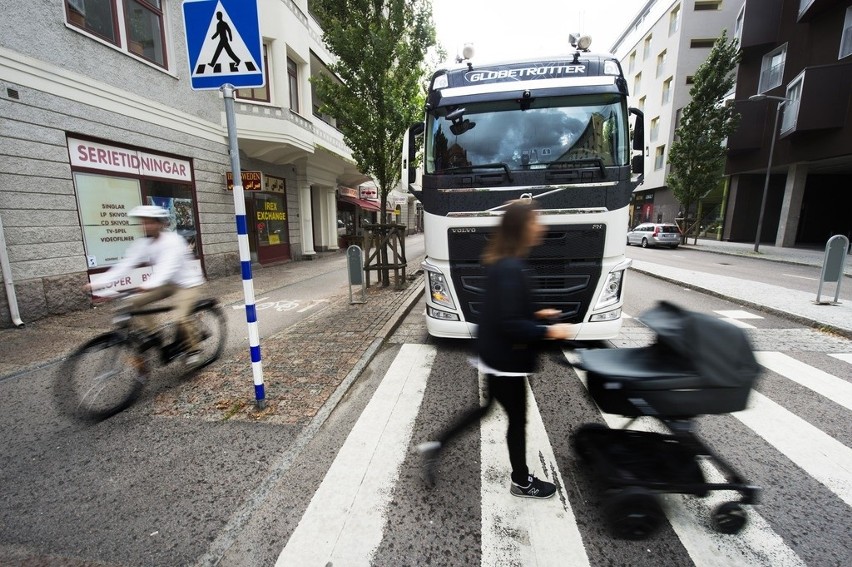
column 611, row 291
column 439, row 290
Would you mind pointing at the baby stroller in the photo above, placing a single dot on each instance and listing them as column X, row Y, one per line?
column 698, row 365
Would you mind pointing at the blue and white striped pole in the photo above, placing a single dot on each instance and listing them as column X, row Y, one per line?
column 242, row 240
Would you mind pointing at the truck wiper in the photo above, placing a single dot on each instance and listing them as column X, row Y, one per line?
column 497, row 165
column 571, row 163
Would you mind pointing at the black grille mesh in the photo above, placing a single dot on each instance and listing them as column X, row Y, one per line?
column 564, row 269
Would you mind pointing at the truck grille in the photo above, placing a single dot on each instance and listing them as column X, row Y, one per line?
column 564, row 269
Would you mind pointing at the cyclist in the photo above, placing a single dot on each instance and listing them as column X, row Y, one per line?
column 169, row 256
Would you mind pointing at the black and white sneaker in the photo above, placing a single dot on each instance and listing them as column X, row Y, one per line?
column 535, row 488
column 429, row 453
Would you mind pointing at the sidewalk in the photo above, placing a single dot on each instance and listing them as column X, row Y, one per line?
column 791, row 304
column 304, row 366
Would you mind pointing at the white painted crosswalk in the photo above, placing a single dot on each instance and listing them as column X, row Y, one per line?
column 346, row 520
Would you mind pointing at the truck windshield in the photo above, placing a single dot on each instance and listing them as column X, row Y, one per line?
column 552, row 132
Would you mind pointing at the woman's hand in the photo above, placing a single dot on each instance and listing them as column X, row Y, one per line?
column 560, row 331
column 547, row 313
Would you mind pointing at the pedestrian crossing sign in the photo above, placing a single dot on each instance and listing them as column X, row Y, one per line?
column 223, row 43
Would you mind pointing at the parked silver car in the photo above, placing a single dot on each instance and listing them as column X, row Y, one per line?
column 654, row 234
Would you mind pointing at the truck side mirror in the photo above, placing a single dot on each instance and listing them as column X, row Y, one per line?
column 638, row 129
column 637, row 164
column 410, row 151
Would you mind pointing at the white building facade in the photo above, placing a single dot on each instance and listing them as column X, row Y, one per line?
column 98, row 116
column 659, row 53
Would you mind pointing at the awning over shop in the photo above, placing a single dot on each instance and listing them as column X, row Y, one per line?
column 366, row 205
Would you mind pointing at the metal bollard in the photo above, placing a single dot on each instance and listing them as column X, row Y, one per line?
column 355, row 263
column 832, row 266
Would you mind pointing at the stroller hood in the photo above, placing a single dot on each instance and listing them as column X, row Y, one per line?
column 718, row 351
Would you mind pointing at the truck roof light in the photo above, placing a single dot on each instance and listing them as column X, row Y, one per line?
column 610, row 68
column 440, row 82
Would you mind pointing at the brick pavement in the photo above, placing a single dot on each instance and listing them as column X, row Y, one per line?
column 303, row 366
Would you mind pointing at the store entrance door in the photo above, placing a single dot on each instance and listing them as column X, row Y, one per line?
column 272, row 236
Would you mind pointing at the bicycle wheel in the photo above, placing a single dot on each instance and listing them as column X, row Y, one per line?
column 100, row 379
column 210, row 324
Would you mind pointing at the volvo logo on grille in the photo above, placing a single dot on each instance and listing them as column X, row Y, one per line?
column 464, row 229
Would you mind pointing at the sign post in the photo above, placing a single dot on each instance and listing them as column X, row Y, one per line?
column 231, row 28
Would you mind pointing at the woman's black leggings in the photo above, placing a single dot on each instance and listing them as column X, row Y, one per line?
column 511, row 392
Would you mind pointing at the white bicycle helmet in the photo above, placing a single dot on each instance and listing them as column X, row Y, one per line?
column 149, row 212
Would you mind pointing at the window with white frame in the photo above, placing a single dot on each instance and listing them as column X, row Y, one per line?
column 738, row 24
column 135, row 26
column 637, row 83
column 293, row 82
column 674, row 20
column 772, row 69
column 667, row 90
column 704, row 5
column 661, row 63
column 631, row 62
column 791, row 107
column 258, row 94
column 659, row 157
column 647, row 47
column 655, row 128
column 846, row 36
column 642, row 103
column 804, row 5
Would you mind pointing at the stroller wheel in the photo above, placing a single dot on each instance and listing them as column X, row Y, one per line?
column 581, row 440
column 729, row 518
column 632, row 513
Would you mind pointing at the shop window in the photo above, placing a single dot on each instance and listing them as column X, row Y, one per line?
column 271, row 218
column 177, row 199
column 141, row 21
column 104, row 202
column 257, row 94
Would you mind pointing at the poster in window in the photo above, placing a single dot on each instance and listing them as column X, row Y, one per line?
column 104, row 203
column 181, row 218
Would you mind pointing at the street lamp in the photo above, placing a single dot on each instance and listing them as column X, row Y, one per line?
column 781, row 101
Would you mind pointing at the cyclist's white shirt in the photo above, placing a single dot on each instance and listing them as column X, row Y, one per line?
column 169, row 256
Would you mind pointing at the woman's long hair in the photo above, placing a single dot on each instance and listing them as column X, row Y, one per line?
column 513, row 237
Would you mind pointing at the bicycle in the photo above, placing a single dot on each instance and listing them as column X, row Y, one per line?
column 106, row 374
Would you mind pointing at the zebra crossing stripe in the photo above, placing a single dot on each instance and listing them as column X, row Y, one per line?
column 844, row 356
column 823, row 457
column 516, row 531
column 756, row 545
column 344, row 521
column 823, row 383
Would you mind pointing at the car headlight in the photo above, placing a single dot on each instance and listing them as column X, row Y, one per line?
column 611, row 291
column 440, row 290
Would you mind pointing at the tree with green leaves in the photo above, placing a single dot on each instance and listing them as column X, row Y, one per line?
column 377, row 91
column 697, row 156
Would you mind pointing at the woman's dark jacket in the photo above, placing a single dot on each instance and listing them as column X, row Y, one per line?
column 507, row 328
